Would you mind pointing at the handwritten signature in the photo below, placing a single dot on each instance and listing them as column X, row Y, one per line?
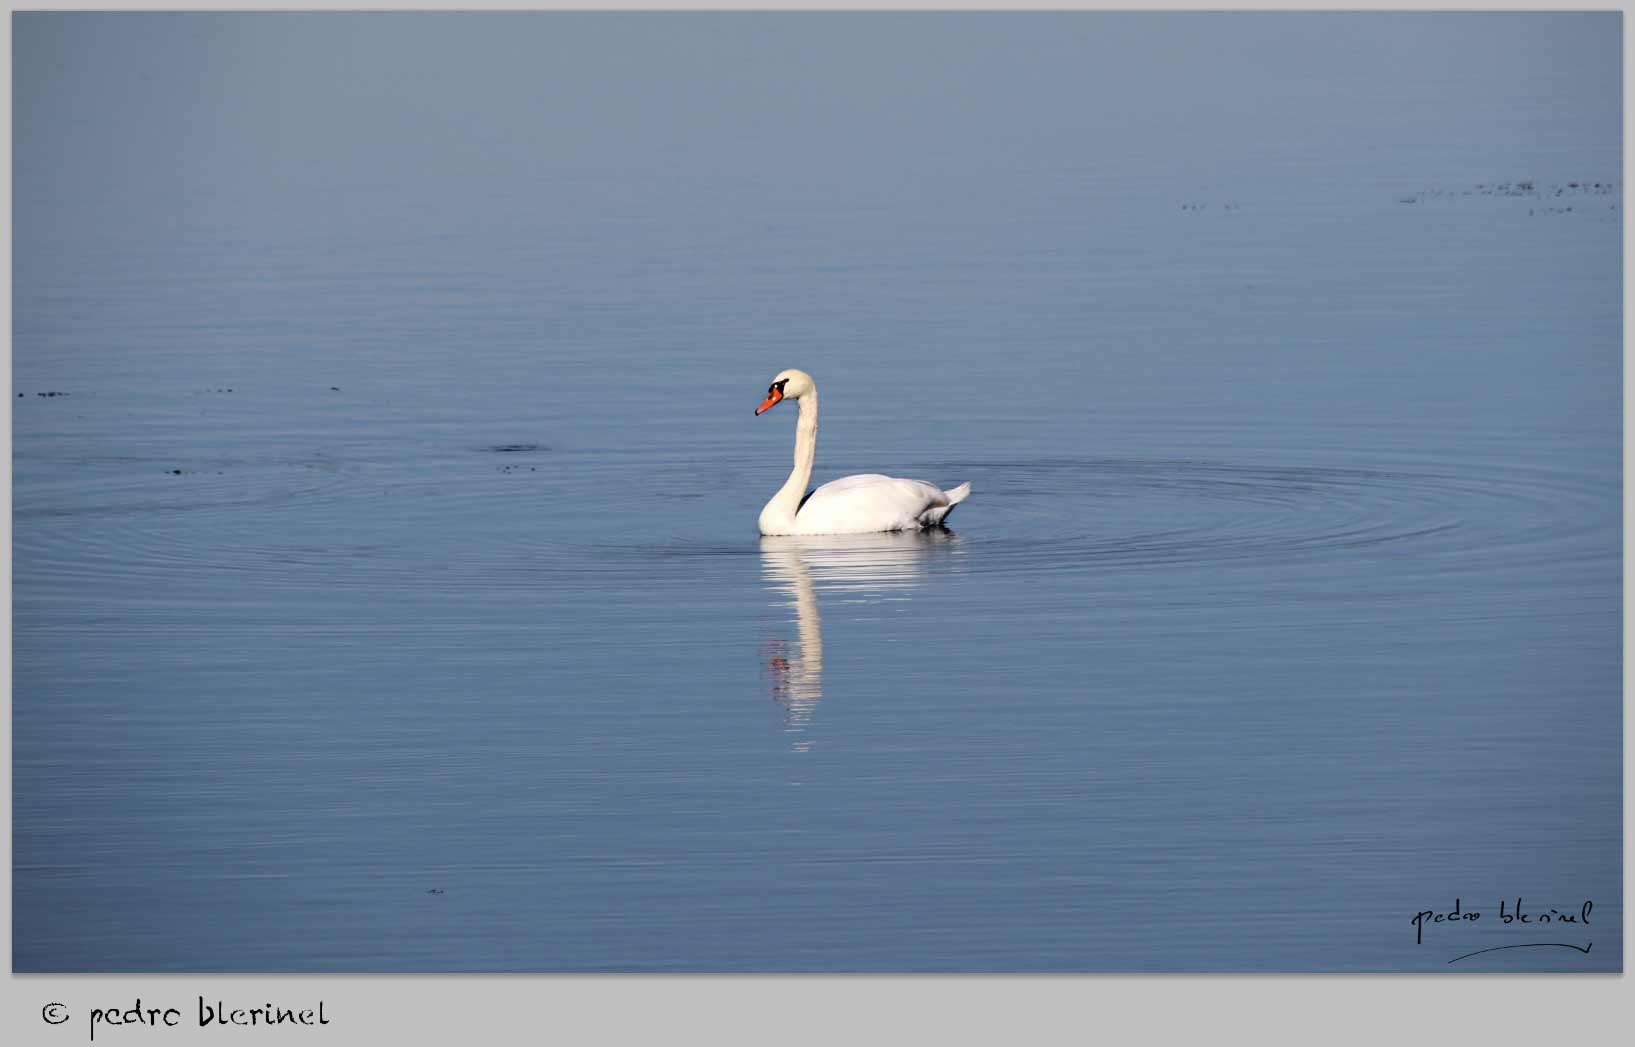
column 1508, row 915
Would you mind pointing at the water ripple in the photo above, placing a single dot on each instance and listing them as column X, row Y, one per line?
column 295, row 523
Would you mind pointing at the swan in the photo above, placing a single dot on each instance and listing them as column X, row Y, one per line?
column 858, row 504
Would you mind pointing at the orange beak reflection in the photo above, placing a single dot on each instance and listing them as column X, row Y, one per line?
column 776, row 395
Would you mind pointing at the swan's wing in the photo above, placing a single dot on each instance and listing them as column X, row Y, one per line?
column 868, row 502
column 859, row 482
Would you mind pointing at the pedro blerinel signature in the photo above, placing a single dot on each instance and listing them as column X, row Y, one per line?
column 1510, row 916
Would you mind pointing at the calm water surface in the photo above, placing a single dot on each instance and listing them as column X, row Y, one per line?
column 387, row 592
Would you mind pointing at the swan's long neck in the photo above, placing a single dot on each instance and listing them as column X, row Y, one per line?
column 779, row 515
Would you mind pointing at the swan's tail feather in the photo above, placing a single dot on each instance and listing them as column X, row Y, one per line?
column 935, row 516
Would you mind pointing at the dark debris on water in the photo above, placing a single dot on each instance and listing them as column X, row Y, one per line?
column 1520, row 187
column 515, row 449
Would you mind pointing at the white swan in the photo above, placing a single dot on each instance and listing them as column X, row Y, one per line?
column 852, row 504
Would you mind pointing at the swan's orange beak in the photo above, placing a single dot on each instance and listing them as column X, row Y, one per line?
column 771, row 400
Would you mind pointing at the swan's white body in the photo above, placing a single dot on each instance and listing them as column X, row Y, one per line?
column 852, row 504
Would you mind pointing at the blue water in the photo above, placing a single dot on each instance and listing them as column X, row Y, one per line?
column 387, row 592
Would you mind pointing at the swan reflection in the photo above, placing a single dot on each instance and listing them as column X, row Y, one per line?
column 856, row 568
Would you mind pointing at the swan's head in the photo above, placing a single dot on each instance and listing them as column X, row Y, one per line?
column 789, row 385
